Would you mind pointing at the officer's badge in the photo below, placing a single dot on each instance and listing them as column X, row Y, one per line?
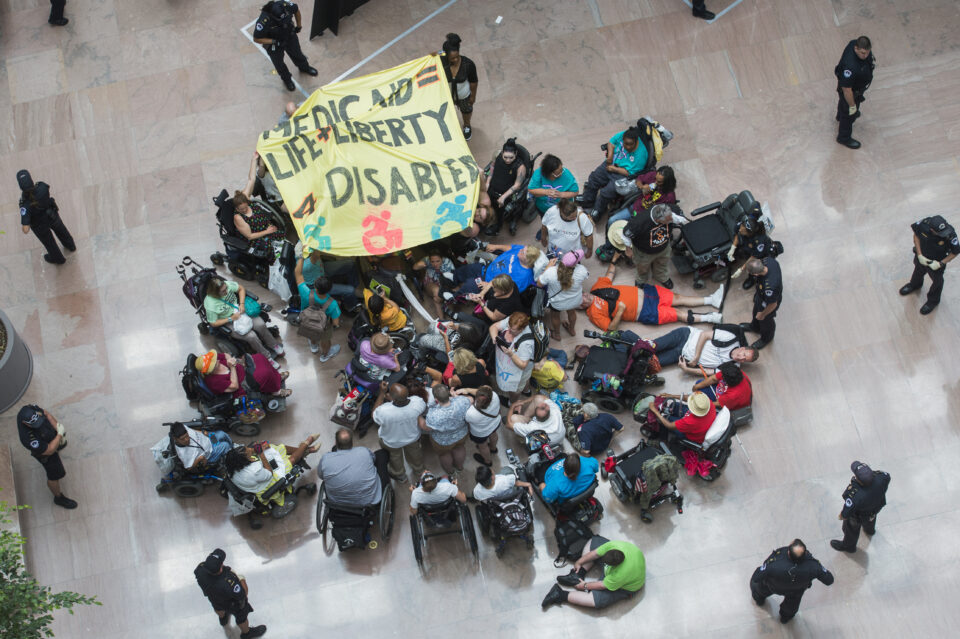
column 769, row 293
column 34, row 443
column 259, row 27
column 847, row 73
column 848, row 503
column 954, row 240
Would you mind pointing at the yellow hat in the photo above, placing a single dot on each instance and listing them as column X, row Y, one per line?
column 615, row 235
column 699, row 404
column 206, row 363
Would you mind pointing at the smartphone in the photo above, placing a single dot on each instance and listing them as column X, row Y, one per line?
column 502, row 342
column 478, row 281
column 441, row 326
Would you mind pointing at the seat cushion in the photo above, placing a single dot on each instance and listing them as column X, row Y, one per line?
column 705, row 234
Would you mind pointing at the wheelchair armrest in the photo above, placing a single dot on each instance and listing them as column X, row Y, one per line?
column 694, row 446
column 239, row 243
column 741, row 416
column 705, row 209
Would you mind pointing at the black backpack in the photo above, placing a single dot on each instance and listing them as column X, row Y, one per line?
column 541, row 339
column 609, row 294
column 188, row 378
column 571, row 536
column 511, row 514
column 739, row 335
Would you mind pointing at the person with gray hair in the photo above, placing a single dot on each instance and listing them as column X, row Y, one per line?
column 646, row 240
column 597, row 429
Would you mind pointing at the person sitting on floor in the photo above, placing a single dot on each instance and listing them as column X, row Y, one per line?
column 597, row 429
column 522, row 263
column 728, row 386
column 624, row 573
column 568, row 477
column 609, row 304
column 537, row 413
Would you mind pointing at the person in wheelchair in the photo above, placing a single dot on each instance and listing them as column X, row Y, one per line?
column 378, row 360
column 568, row 477
column 537, row 413
column 225, row 303
column 551, row 182
column 197, row 449
column 224, row 374
column 437, row 273
column 251, row 220
column 624, row 573
column 626, row 157
column 353, row 476
column 728, row 386
column 494, row 486
column 383, row 312
column 253, row 469
column 433, row 491
column 692, row 423
column 506, row 177
column 497, row 299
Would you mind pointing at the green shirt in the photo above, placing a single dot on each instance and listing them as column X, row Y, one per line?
column 630, row 574
column 219, row 308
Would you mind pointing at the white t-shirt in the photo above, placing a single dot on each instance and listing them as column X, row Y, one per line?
column 444, row 491
column 553, row 427
column 563, row 235
column 253, row 477
column 398, row 424
column 482, row 425
column 509, row 375
column 711, row 356
column 570, row 298
column 200, row 444
column 501, row 485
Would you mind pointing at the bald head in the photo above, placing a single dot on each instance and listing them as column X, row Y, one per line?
column 399, row 395
column 290, row 108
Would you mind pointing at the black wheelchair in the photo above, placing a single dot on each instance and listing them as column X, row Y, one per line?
column 262, row 506
column 449, row 517
column 646, row 475
column 502, row 518
column 583, row 507
column 174, row 476
column 615, row 372
column 350, row 525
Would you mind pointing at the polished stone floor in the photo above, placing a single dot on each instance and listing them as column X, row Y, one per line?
column 138, row 112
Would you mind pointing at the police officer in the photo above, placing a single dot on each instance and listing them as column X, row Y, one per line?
column 766, row 299
column 56, row 13
column 788, row 571
column 39, row 212
column 751, row 240
column 44, row 436
column 934, row 245
column 700, row 10
column 227, row 593
column 277, row 33
column 864, row 497
column 854, row 74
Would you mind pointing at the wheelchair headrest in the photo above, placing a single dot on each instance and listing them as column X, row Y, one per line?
column 524, row 156
column 574, row 502
column 718, row 428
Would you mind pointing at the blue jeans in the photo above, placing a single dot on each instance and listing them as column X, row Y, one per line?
column 345, row 270
column 466, row 277
column 221, row 444
column 670, row 346
column 711, row 392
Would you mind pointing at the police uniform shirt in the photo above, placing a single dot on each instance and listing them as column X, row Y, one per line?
column 269, row 26
column 936, row 242
column 757, row 246
column 769, row 286
column 852, row 72
column 36, row 437
column 866, row 500
column 782, row 575
column 33, row 213
column 224, row 591
column 646, row 235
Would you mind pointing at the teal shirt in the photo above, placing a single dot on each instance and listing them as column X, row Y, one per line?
column 312, row 271
column 566, row 182
column 332, row 311
column 633, row 161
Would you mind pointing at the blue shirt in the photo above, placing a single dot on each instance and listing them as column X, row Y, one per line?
column 509, row 263
column 560, row 488
column 332, row 310
column 595, row 435
column 633, row 161
column 566, row 182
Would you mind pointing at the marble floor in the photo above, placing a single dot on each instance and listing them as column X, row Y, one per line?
column 138, row 112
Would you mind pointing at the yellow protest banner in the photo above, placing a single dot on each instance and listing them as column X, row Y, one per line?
column 375, row 164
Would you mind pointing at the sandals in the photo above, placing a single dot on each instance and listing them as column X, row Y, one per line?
column 286, row 374
column 554, row 334
column 479, row 458
column 284, row 392
column 569, row 328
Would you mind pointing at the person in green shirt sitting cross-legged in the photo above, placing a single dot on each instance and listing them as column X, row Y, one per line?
column 624, row 571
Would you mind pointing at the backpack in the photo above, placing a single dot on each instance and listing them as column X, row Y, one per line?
column 740, row 336
column 511, row 515
column 313, row 319
column 541, row 339
column 571, row 536
column 610, row 295
column 188, row 378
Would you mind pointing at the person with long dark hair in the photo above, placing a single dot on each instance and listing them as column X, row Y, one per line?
column 462, row 75
column 506, row 176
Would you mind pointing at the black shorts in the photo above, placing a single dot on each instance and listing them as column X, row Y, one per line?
column 480, row 440
column 239, row 612
column 53, row 466
column 464, row 105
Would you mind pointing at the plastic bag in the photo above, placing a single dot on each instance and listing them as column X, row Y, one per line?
column 242, row 325
column 165, row 463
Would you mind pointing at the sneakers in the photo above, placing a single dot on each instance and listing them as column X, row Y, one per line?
column 64, row 502
column 278, row 350
column 570, row 579
column 314, row 348
column 712, row 318
column 716, row 299
column 331, row 353
column 467, row 133
column 447, row 296
column 256, row 631
column 555, row 596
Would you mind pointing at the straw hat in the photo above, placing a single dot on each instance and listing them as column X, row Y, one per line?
column 206, row 363
column 699, row 404
column 615, row 235
column 381, row 344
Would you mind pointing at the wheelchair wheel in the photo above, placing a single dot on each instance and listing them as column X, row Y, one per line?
column 188, row 489
column 603, row 472
column 244, row 430
column 263, row 279
column 203, row 329
column 468, row 532
column 722, row 455
column 399, row 341
column 617, row 488
column 386, row 513
column 162, row 487
column 418, row 541
column 530, row 213
column 289, row 505
column 483, row 521
column 609, row 404
column 217, row 259
column 240, row 269
column 719, row 275
column 273, row 404
column 323, row 511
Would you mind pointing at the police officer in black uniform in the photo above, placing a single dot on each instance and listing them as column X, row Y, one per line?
column 227, row 593
column 700, row 10
column 44, row 436
column 788, row 571
column 56, row 13
column 864, row 497
column 854, row 74
column 766, row 299
column 276, row 31
column 750, row 241
column 934, row 245
column 39, row 212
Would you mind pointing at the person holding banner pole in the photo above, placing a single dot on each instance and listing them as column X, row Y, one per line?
column 462, row 76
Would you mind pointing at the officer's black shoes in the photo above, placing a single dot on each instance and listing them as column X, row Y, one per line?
column 927, row 308
column 849, row 143
column 309, row 71
column 759, row 602
column 760, row 343
column 59, row 22
column 836, row 544
column 64, row 502
column 225, row 619
column 906, row 289
column 749, row 282
column 72, row 248
column 667, row 284
column 703, row 13
column 555, row 596
column 785, row 619
column 50, row 259
column 289, row 84
column 256, row 631
column 570, row 579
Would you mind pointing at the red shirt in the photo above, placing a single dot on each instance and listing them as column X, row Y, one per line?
column 695, row 428
column 733, row 398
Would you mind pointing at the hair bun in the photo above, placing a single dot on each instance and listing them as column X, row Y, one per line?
column 453, row 38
